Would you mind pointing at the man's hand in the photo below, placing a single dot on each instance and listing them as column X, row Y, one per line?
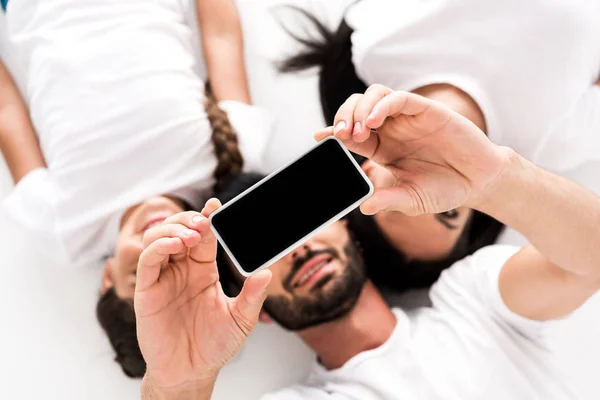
column 187, row 328
column 440, row 160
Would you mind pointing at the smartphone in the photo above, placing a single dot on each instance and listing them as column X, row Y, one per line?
column 279, row 213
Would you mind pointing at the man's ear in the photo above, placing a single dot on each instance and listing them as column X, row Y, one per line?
column 107, row 279
column 264, row 317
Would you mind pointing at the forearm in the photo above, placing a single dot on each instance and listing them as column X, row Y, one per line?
column 199, row 390
column 223, row 48
column 18, row 142
column 559, row 217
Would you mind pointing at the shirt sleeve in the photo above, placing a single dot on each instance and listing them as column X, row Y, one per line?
column 487, row 265
column 470, row 289
column 254, row 127
column 30, row 204
column 302, row 392
column 576, row 140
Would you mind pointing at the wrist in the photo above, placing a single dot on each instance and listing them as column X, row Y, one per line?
column 200, row 389
column 503, row 193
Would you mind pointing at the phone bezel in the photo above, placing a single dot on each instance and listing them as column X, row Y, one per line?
column 309, row 235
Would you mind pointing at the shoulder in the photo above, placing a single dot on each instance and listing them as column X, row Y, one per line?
column 481, row 262
column 472, row 279
column 470, row 289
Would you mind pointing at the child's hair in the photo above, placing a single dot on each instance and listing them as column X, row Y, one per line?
column 331, row 52
column 116, row 315
column 117, row 318
column 225, row 141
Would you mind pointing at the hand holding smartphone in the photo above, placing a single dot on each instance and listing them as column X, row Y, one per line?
column 285, row 209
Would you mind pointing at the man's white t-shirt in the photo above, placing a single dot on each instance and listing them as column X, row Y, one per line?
column 467, row 346
column 530, row 65
column 115, row 95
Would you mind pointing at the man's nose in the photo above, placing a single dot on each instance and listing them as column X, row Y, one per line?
column 299, row 252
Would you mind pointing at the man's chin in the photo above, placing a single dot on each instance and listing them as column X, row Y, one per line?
column 323, row 284
column 297, row 323
column 336, row 316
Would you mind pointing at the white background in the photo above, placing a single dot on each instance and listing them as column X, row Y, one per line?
column 51, row 346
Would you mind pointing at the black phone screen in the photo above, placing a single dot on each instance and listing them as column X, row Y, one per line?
column 286, row 207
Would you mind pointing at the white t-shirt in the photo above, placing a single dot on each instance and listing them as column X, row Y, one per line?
column 530, row 65
column 118, row 105
column 467, row 346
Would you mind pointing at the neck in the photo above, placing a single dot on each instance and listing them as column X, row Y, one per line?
column 366, row 327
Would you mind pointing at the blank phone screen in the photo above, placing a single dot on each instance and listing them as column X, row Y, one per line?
column 290, row 205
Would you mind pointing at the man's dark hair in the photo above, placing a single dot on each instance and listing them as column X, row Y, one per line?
column 331, row 52
column 116, row 315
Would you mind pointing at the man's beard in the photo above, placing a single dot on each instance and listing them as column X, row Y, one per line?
column 328, row 305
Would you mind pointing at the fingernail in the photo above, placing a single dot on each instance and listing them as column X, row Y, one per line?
column 357, row 128
column 197, row 219
column 340, row 127
column 188, row 232
column 371, row 116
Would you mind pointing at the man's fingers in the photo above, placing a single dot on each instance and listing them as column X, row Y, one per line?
column 363, row 109
column 249, row 302
column 153, row 258
column 206, row 250
column 211, row 206
column 400, row 198
column 433, row 114
column 380, row 176
column 343, row 124
column 189, row 236
column 190, row 219
column 323, row 133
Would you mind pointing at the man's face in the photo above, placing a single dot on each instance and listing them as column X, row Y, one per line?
column 120, row 271
column 318, row 282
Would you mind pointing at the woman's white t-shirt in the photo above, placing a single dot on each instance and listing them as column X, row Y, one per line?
column 530, row 65
column 467, row 346
column 115, row 95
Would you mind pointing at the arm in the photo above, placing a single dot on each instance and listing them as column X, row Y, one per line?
column 223, row 47
column 18, row 141
column 440, row 160
column 560, row 270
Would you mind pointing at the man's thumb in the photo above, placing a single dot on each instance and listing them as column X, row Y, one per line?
column 249, row 302
column 399, row 198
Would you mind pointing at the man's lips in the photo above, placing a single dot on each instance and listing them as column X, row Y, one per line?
column 312, row 269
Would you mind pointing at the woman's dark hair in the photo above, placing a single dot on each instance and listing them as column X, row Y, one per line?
column 331, row 52
column 116, row 315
